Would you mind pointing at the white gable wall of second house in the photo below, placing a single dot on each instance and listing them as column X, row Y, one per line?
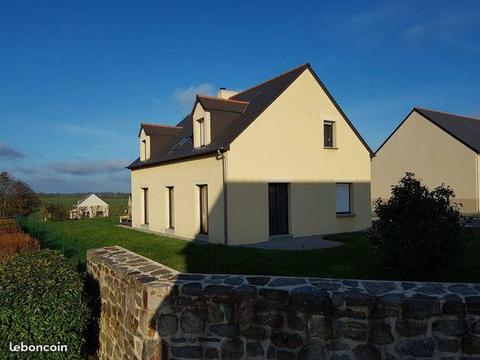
column 93, row 200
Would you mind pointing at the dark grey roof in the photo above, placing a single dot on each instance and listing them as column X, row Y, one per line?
column 463, row 128
column 229, row 118
column 213, row 103
column 157, row 129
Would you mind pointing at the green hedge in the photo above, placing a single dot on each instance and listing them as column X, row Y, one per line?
column 42, row 302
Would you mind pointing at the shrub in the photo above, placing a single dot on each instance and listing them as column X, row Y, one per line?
column 12, row 241
column 41, row 302
column 7, row 222
column 418, row 232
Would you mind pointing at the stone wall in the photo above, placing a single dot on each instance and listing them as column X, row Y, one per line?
column 150, row 311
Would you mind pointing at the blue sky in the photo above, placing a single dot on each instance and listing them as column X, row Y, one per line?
column 77, row 78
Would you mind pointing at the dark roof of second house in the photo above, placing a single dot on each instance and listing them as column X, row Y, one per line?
column 231, row 117
column 463, row 128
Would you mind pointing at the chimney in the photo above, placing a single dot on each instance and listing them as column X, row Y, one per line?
column 223, row 93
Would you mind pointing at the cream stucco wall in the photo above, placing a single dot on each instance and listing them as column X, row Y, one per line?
column 144, row 155
column 435, row 157
column 200, row 113
column 184, row 176
column 285, row 144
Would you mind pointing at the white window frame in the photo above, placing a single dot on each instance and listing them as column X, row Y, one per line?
column 170, row 207
column 332, row 124
column 340, row 208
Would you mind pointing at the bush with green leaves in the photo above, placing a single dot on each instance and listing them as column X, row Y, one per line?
column 419, row 232
column 42, row 302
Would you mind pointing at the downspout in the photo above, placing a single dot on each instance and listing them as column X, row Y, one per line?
column 221, row 154
column 478, row 184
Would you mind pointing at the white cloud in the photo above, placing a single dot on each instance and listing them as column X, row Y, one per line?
column 87, row 167
column 441, row 26
column 184, row 97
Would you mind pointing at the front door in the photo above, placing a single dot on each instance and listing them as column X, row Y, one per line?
column 278, row 208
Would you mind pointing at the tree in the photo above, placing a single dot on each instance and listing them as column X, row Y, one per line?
column 16, row 197
column 56, row 212
column 418, row 232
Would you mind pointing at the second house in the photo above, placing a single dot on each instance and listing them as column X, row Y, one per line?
column 280, row 159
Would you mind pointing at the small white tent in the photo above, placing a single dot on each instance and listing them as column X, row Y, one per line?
column 90, row 207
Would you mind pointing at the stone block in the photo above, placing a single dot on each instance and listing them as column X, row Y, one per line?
column 255, row 333
column 226, row 330
column 233, row 349
column 471, row 344
column 381, row 334
column 367, row 352
column 286, row 340
column 193, row 321
column 314, row 351
column 167, row 325
column 255, row 349
column 188, row 352
column 295, row 321
column 417, row 347
column 410, row 328
column 320, row 327
column 449, row 327
column 421, row 307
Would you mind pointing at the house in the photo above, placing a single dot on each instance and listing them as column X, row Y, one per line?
column 437, row 147
column 89, row 207
column 280, row 159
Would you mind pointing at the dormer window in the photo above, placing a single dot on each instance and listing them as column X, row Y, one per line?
column 201, row 128
column 201, row 132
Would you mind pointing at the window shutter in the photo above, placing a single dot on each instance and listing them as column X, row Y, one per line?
column 342, row 198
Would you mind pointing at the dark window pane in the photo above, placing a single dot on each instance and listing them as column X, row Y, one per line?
column 328, row 134
column 203, row 190
column 145, row 205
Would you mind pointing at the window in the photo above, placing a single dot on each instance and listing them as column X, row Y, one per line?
column 343, row 198
column 328, row 140
column 145, row 205
column 171, row 207
column 203, row 202
column 180, row 143
column 201, row 131
column 144, row 149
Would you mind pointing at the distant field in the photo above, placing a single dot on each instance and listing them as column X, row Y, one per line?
column 118, row 204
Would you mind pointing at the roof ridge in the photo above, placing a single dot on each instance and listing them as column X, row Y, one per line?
column 222, row 99
column 161, row 125
column 274, row 78
column 445, row 113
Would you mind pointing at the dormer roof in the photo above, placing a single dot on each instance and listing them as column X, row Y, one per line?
column 157, row 129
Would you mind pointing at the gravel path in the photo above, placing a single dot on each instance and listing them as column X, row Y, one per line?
column 298, row 243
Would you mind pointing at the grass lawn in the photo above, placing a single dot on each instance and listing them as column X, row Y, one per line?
column 117, row 204
column 353, row 260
